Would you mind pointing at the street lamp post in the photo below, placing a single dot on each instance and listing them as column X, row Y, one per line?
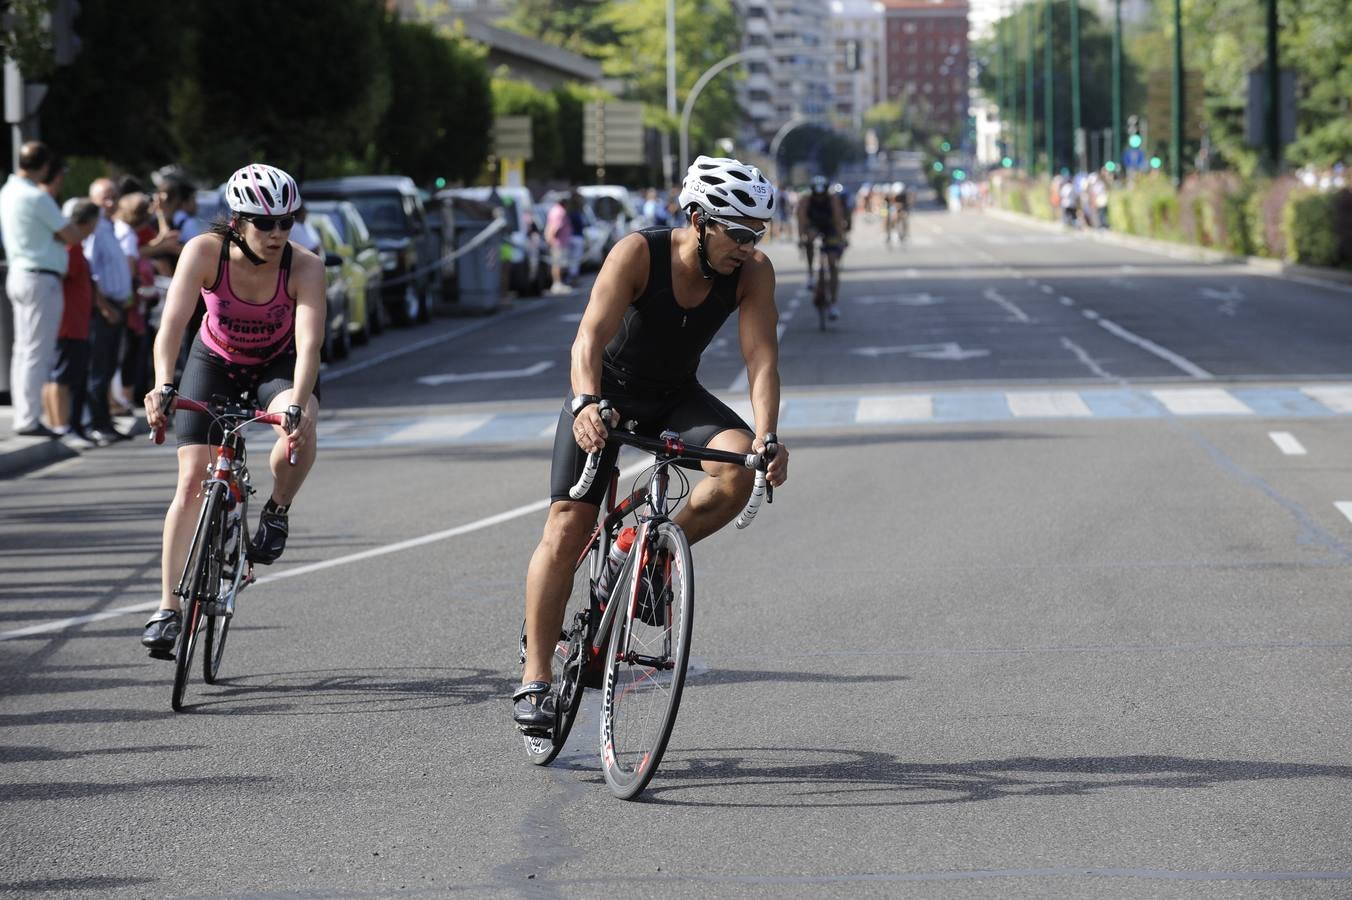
column 1081, row 141
column 1048, row 95
column 690, row 98
column 1029, row 142
column 1116, row 154
column 671, row 90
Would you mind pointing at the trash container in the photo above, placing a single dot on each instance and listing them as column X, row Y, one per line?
column 478, row 270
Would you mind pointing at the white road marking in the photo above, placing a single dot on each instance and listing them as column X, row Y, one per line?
column 948, row 350
column 1201, row 402
column 455, row 377
column 1336, row 397
column 334, row 374
column 1048, row 289
column 1047, row 404
column 1287, row 443
column 1084, row 357
column 434, row 537
column 1345, row 507
column 439, row 429
column 1008, row 305
column 894, row 409
column 924, row 299
column 1066, row 301
column 1150, row 346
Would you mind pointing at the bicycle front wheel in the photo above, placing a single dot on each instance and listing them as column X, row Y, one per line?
column 646, row 662
column 232, row 570
column 196, row 589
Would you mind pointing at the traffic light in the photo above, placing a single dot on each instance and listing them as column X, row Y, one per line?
column 1007, row 163
column 1156, row 162
column 945, row 146
column 440, row 182
column 959, row 174
column 1110, row 166
column 938, row 166
column 1135, row 129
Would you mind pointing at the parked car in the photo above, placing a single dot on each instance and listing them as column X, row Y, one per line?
column 528, row 273
column 391, row 207
column 613, row 204
column 351, row 241
column 337, row 291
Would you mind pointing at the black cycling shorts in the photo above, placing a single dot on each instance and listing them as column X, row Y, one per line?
column 207, row 376
column 689, row 410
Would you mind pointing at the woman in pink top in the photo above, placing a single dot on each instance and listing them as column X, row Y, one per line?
column 261, row 335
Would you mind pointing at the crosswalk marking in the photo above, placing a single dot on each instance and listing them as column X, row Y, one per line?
column 1048, row 404
column 1201, row 402
column 901, row 408
column 1287, row 443
column 823, row 410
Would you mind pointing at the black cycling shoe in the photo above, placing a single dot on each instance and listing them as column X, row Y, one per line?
column 270, row 539
column 162, row 632
column 536, row 719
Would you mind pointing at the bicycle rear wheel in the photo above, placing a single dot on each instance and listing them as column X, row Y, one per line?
column 645, row 664
column 572, row 653
column 195, row 589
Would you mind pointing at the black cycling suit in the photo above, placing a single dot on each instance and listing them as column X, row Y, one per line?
column 648, row 371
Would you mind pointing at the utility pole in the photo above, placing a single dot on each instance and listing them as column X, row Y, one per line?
column 1272, row 94
column 1176, row 144
column 667, row 174
column 1048, row 93
column 1029, row 140
column 1079, row 139
column 1116, row 155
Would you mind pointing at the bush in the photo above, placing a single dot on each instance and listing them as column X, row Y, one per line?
column 1307, row 224
column 1265, row 216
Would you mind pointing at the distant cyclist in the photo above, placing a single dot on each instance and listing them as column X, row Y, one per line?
column 659, row 299
column 821, row 214
column 897, row 217
column 261, row 334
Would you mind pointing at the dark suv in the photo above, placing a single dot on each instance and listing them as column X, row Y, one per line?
column 410, row 249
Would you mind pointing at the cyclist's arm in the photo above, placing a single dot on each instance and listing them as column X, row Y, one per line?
column 307, row 283
column 757, row 320
column 620, row 281
column 838, row 214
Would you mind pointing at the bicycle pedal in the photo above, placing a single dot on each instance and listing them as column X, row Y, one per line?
column 167, row 655
column 544, row 733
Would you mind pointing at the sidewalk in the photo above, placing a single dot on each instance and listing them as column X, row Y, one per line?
column 19, row 455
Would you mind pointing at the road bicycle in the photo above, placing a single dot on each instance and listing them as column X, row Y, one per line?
column 218, row 565
column 822, row 286
column 632, row 639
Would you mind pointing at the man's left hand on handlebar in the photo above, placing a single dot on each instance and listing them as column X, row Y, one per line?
column 589, row 430
column 778, row 471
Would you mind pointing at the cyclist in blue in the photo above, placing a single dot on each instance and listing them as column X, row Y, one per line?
column 821, row 213
column 658, row 301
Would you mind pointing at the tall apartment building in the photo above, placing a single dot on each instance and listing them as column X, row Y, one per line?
column 857, row 38
column 792, row 79
column 927, row 54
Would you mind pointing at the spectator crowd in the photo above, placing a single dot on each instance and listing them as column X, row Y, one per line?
column 85, row 282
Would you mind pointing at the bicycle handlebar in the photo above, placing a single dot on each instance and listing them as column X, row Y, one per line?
column 674, row 448
column 256, row 415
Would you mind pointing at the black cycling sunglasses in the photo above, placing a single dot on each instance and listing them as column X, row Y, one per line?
column 267, row 223
column 742, row 234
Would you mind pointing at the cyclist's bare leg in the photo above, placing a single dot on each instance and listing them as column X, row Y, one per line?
column 549, row 581
column 809, row 247
column 286, row 478
column 182, row 520
column 717, row 499
column 833, row 267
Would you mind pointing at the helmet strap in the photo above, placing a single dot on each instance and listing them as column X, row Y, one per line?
column 705, row 269
column 243, row 244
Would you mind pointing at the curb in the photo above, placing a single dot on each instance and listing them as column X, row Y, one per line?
column 23, row 455
column 1275, row 268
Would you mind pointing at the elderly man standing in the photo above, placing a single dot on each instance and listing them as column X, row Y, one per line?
column 112, row 271
column 34, row 233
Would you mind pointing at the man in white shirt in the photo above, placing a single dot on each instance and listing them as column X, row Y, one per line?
column 35, row 235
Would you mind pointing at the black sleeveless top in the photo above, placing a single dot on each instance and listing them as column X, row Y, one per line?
column 659, row 344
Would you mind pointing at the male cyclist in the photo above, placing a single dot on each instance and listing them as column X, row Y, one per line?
column 658, row 301
column 821, row 214
column 898, row 218
column 264, row 325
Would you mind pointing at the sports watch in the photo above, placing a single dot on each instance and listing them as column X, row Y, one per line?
column 580, row 402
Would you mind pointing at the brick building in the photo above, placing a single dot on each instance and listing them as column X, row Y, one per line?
column 926, row 57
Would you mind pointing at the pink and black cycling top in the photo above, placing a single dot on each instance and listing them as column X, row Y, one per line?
column 244, row 333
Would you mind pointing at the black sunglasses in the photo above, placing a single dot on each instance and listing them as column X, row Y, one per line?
column 742, row 234
column 267, row 223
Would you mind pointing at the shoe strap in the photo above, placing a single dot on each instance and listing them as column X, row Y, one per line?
column 532, row 689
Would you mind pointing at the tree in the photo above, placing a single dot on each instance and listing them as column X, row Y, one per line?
column 1008, row 67
column 574, row 25
column 307, row 97
column 439, row 120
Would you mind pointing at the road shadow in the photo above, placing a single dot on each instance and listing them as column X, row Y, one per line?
column 816, row 777
column 78, row 885
column 348, row 691
column 51, row 754
column 207, row 785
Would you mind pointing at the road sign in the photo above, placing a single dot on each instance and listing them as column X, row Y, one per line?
column 612, row 134
column 512, row 137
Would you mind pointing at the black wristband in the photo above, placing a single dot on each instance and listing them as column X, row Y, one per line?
column 581, row 402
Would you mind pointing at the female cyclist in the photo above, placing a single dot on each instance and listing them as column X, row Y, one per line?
column 261, row 335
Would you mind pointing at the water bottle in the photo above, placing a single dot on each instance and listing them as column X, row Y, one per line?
column 615, row 561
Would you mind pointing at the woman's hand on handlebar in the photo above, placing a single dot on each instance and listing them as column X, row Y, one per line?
column 590, row 430
column 159, row 404
column 778, row 470
column 302, row 433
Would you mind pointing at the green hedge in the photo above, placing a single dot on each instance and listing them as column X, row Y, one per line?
column 1307, row 221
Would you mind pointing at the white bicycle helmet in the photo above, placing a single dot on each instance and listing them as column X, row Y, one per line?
column 723, row 186
column 262, row 190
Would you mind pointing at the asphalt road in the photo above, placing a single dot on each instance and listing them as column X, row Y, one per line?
column 1050, row 607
